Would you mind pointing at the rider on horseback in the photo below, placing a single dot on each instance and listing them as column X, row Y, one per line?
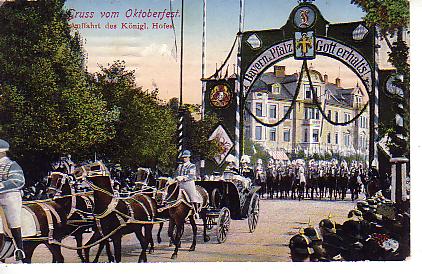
column 186, row 174
column 11, row 182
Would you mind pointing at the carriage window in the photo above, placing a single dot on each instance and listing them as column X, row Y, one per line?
column 258, row 133
column 273, row 135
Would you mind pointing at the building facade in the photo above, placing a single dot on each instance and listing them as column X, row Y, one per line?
column 305, row 129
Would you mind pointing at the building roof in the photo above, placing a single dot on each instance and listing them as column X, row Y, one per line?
column 338, row 96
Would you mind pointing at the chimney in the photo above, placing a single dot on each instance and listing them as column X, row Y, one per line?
column 280, row 71
column 338, row 82
column 326, row 78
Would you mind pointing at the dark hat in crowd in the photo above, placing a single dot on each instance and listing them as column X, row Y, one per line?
column 327, row 225
column 301, row 244
column 312, row 233
column 352, row 230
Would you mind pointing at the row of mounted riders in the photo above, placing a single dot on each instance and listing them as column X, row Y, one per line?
column 331, row 183
column 72, row 213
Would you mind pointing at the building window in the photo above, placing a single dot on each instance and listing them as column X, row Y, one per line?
column 273, row 111
column 259, row 109
column 329, row 114
column 305, row 135
column 347, row 139
column 346, row 117
column 258, row 133
column 329, row 138
column 311, row 113
column 286, row 109
column 286, row 135
column 247, row 115
column 308, row 92
column 273, row 135
column 336, row 136
column 276, row 89
column 248, row 132
column 315, row 135
column 336, row 116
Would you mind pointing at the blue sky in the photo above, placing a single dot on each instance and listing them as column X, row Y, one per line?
column 151, row 53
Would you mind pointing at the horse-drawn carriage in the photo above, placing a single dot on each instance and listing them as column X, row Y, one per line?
column 230, row 199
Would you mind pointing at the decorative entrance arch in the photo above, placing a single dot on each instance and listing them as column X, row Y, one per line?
column 305, row 35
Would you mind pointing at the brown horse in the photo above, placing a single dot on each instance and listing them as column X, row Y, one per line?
column 116, row 217
column 79, row 219
column 178, row 209
column 51, row 218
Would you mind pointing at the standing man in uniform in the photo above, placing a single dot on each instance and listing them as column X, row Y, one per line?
column 11, row 182
column 185, row 176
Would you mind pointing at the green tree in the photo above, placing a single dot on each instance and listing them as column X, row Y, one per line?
column 256, row 151
column 145, row 126
column 47, row 106
column 392, row 18
column 197, row 130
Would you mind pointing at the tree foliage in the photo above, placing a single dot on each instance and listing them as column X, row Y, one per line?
column 145, row 127
column 256, row 151
column 47, row 105
column 392, row 18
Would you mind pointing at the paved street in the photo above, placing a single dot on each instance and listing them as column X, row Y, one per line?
column 278, row 221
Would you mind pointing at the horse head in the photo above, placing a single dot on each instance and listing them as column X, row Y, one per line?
column 59, row 183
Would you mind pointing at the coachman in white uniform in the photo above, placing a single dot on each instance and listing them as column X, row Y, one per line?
column 11, row 182
column 185, row 176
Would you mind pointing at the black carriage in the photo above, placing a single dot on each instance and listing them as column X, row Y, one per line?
column 229, row 199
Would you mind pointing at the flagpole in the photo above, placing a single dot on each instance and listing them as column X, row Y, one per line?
column 204, row 48
column 181, row 108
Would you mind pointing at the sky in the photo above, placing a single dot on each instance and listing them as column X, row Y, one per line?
column 152, row 52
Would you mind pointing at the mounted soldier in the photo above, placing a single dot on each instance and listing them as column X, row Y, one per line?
column 245, row 170
column 11, row 182
column 231, row 164
column 185, row 176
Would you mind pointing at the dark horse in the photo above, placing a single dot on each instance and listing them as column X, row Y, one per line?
column 178, row 209
column 79, row 218
column 52, row 217
column 116, row 217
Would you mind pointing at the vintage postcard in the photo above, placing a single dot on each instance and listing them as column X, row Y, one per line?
column 204, row 131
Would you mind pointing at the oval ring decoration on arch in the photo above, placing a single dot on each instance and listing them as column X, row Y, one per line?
column 324, row 46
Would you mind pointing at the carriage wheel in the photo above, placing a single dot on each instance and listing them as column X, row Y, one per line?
column 223, row 225
column 215, row 199
column 253, row 213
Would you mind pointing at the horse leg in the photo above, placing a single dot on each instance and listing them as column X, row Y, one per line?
column 57, row 253
column 117, row 244
column 29, row 248
column 170, row 231
column 204, row 221
column 96, row 236
column 144, row 244
column 110, row 255
column 159, row 233
column 179, row 229
column 78, row 238
column 99, row 251
column 149, row 238
column 195, row 231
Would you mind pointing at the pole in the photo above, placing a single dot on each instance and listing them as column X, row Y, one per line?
column 181, row 56
column 239, row 90
column 204, row 45
column 181, row 108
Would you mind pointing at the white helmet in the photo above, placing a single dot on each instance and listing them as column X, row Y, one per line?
column 245, row 159
column 259, row 162
column 230, row 159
